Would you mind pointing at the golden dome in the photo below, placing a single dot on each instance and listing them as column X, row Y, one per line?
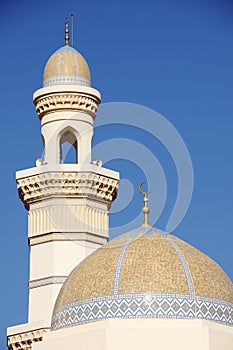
column 66, row 66
column 145, row 273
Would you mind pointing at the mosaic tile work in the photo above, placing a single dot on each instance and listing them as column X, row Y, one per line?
column 145, row 263
column 120, row 260
column 66, row 66
column 152, row 264
column 208, row 277
column 142, row 306
column 185, row 267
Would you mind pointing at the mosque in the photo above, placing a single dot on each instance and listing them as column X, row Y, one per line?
column 146, row 289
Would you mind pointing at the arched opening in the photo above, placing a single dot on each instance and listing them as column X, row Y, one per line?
column 68, row 148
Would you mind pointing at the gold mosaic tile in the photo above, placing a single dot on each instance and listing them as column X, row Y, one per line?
column 93, row 277
column 51, row 66
column 66, row 63
column 208, row 278
column 151, row 264
column 83, row 70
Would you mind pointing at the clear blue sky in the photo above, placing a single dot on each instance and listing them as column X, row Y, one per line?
column 173, row 56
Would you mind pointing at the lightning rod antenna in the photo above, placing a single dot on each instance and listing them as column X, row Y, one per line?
column 72, row 29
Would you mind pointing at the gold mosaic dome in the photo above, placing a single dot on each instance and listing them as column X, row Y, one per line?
column 145, row 273
column 66, row 66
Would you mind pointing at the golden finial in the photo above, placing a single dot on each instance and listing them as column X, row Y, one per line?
column 145, row 209
column 66, row 31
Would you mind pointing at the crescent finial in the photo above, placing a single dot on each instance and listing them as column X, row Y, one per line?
column 145, row 209
column 141, row 191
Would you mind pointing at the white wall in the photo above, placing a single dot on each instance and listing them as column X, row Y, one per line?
column 138, row 334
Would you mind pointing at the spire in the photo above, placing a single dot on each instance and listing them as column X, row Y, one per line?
column 67, row 31
column 145, row 209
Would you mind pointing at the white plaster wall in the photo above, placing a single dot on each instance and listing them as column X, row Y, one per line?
column 58, row 258
column 219, row 342
column 41, row 303
column 138, row 334
column 52, row 259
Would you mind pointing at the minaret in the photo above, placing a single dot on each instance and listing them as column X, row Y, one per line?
column 67, row 204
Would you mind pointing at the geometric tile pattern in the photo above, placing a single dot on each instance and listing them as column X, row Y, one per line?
column 147, row 305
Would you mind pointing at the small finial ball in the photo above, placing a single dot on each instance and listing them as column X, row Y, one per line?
column 145, row 210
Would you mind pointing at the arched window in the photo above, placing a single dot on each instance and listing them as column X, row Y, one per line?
column 68, row 148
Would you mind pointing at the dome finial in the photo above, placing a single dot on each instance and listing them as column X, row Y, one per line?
column 67, row 31
column 145, row 209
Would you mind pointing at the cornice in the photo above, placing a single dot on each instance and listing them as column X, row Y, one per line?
column 41, row 282
column 66, row 236
column 66, row 184
column 67, row 101
column 23, row 341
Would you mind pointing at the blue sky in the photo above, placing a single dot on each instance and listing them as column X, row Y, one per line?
column 173, row 56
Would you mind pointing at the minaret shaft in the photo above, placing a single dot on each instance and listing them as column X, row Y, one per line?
column 67, row 203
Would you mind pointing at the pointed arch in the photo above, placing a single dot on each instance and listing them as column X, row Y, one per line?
column 68, row 146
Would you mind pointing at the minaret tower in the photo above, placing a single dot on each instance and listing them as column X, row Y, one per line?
column 67, row 204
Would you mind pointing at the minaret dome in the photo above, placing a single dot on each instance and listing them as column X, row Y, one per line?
column 66, row 66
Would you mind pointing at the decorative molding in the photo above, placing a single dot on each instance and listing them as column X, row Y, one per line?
column 73, row 202
column 40, row 282
column 142, row 305
column 66, row 79
column 67, row 102
column 23, row 341
column 66, row 184
column 67, row 236
column 68, row 218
